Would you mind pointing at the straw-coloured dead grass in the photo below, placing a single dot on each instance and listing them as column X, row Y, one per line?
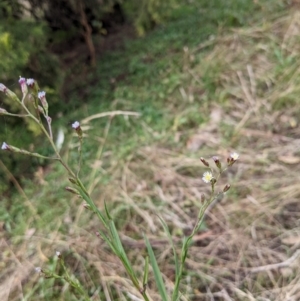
column 248, row 249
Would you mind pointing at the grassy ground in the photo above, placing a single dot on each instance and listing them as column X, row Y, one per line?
column 217, row 78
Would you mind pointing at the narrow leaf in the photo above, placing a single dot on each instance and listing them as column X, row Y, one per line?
column 146, row 271
column 157, row 274
column 107, row 212
column 167, row 231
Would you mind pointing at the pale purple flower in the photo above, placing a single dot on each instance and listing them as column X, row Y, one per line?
column 207, row 177
column 30, row 82
column 76, row 125
column 38, row 269
column 2, row 111
column 42, row 95
column 2, row 88
column 5, row 146
column 22, row 82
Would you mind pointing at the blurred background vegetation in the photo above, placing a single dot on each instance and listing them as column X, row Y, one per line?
column 58, row 42
column 36, row 38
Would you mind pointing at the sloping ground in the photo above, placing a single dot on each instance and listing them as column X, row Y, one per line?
column 248, row 249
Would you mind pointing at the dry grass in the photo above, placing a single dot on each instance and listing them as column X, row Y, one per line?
column 249, row 247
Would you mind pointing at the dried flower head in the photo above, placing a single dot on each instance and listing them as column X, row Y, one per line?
column 207, row 177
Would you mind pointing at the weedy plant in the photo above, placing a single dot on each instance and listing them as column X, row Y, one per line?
column 35, row 106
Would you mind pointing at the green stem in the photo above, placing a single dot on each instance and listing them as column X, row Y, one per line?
column 85, row 195
column 185, row 247
column 80, row 156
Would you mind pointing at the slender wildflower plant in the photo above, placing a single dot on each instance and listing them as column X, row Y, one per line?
column 36, row 102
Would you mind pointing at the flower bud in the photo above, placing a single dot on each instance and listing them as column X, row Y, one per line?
column 9, row 93
column 72, row 180
column 49, row 120
column 217, row 162
column 213, row 181
column 72, row 190
column 232, row 158
column 41, row 110
column 2, row 111
column 34, row 87
column 22, row 82
column 11, row 148
column 226, row 188
column 204, row 162
column 77, row 128
column 42, row 98
column 87, row 206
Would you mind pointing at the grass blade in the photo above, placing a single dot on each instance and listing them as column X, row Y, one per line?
column 166, row 228
column 146, row 272
column 157, row 274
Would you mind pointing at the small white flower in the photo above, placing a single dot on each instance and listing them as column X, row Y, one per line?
column 207, row 177
column 30, row 82
column 57, row 253
column 234, row 156
column 41, row 94
column 4, row 146
column 75, row 125
column 38, row 269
